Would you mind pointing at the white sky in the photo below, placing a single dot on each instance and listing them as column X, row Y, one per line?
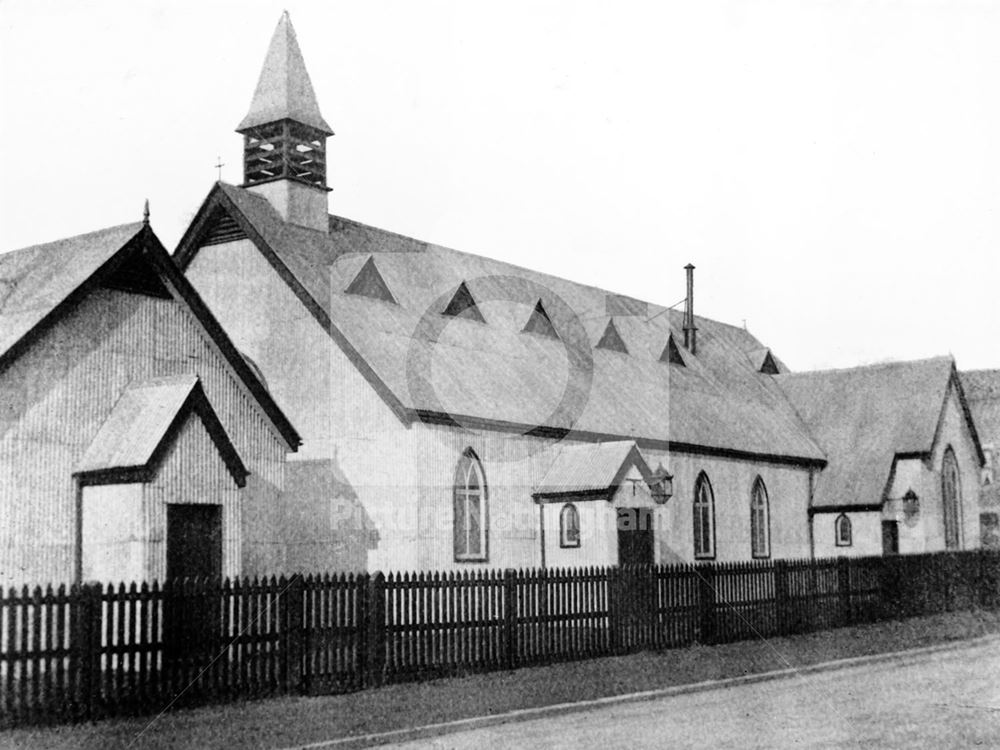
column 831, row 168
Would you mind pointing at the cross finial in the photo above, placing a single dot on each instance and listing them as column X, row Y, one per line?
column 219, row 164
column 145, row 213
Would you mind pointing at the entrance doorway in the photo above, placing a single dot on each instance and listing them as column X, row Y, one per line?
column 635, row 536
column 890, row 538
column 191, row 613
column 194, row 541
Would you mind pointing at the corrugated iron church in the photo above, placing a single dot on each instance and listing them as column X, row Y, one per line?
column 400, row 405
column 484, row 414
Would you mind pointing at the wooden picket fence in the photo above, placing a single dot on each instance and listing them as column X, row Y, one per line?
column 85, row 652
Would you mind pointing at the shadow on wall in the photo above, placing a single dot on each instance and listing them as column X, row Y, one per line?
column 327, row 528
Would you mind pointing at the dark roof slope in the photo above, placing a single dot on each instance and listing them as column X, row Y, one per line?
column 35, row 280
column 427, row 366
column 39, row 284
column 982, row 390
column 864, row 417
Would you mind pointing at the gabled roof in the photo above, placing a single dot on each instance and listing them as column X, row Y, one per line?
column 495, row 377
column 866, row 417
column 36, row 280
column 284, row 90
column 982, row 390
column 44, row 282
column 596, row 469
column 134, row 439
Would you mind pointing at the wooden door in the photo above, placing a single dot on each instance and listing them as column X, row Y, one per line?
column 194, row 541
column 635, row 536
column 192, row 608
column 890, row 538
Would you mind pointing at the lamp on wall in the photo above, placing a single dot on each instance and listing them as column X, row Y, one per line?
column 661, row 485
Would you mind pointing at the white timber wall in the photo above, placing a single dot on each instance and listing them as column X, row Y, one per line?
column 403, row 475
column 116, row 534
column 866, row 531
column 341, row 419
column 192, row 472
column 61, row 389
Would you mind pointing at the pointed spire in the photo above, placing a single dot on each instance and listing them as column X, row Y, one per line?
column 284, row 90
column 145, row 213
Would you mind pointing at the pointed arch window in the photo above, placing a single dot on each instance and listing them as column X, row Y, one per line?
column 569, row 526
column 704, row 519
column 760, row 521
column 843, row 533
column 951, row 490
column 471, row 511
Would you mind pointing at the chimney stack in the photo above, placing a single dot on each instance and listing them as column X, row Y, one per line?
column 690, row 332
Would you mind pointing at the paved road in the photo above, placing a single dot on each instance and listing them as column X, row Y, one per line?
column 951, row 699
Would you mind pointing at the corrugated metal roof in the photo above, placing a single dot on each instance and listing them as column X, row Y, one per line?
column 137, row 424
column 593, row 467
column 284, row 89
column 33, row 281
column 496, row 372
column 142, row 420
column 982, row 391
column 864, row 417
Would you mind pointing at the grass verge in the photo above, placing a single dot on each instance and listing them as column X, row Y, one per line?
column 285, row 722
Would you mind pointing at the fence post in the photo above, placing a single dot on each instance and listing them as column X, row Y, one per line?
column 706, row 602
column 294, row 635
column 844, row 589
column 510, row 618
column 612, row 579
column 375, row 630
column 88, row 643
column 782, row 602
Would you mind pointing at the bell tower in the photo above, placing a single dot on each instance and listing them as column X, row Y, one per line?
column 284, row 136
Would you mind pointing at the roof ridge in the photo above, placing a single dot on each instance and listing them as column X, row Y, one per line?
column 114, row 227
column 658, row 310
column 872, row 366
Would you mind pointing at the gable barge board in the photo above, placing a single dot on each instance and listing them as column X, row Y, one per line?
column 189, row 246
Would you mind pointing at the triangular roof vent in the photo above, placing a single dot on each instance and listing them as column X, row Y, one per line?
column 671, row 353
column 540, row 323
column 611, row 339
column 369, row 283
column 769, row 366
column 463, row 305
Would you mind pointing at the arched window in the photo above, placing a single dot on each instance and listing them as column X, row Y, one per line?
column 842, row 531
column 760, row 521
column 471, row 516
column 950, row 492
column 704, row 519
column 569, row 526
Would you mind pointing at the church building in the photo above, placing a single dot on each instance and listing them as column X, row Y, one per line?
column 474, row 413
column 295, row 391
column 136, row 442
